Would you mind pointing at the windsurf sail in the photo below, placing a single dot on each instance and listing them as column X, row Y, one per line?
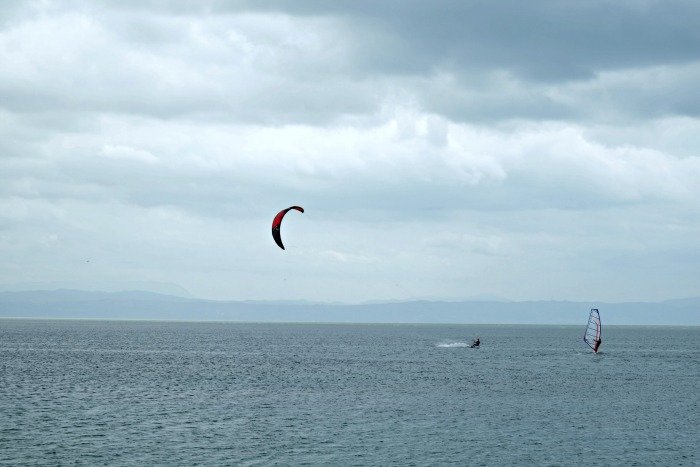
column 592, row 335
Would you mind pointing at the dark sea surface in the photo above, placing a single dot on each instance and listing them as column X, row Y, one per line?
column 152, row 393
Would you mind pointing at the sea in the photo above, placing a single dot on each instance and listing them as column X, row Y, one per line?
column 217, row 393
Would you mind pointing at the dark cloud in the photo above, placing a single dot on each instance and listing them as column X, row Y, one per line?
column 316, row 62
column 543, row 41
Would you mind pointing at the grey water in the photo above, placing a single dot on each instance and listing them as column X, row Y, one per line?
column 154, row 393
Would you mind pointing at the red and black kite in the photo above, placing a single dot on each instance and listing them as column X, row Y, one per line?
column 277, row 224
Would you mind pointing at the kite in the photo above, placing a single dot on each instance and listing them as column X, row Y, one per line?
column 277, row 224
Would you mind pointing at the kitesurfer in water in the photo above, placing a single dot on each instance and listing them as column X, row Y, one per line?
column 476, row 343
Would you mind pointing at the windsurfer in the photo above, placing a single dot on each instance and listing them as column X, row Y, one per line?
column 596, row 344
column 593, row 330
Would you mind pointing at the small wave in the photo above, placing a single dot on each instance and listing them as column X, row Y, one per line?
column 453, row 344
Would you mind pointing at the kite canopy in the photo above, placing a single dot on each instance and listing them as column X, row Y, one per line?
column 277, row 224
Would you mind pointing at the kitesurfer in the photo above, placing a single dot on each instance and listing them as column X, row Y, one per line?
column 476, row 343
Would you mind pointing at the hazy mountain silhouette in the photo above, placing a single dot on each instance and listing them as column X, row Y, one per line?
column 149, row 305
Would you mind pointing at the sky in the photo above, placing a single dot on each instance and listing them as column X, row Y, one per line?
column 519, row 150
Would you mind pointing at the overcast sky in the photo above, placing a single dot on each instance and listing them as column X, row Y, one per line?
column 523, row 150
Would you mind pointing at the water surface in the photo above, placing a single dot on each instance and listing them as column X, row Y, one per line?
column 143, row 393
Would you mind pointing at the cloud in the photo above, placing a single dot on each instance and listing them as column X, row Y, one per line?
column 315, row 63
column 404, row 163
column 127, row 153
column 235, row 68
column 544, row 41
column 521, row 150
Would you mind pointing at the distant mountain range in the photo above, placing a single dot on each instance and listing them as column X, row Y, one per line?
column 149, row 305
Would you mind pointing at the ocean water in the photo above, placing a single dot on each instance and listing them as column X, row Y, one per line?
column 153, row 393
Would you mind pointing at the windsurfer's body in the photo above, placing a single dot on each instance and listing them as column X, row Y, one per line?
column 596, row 344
